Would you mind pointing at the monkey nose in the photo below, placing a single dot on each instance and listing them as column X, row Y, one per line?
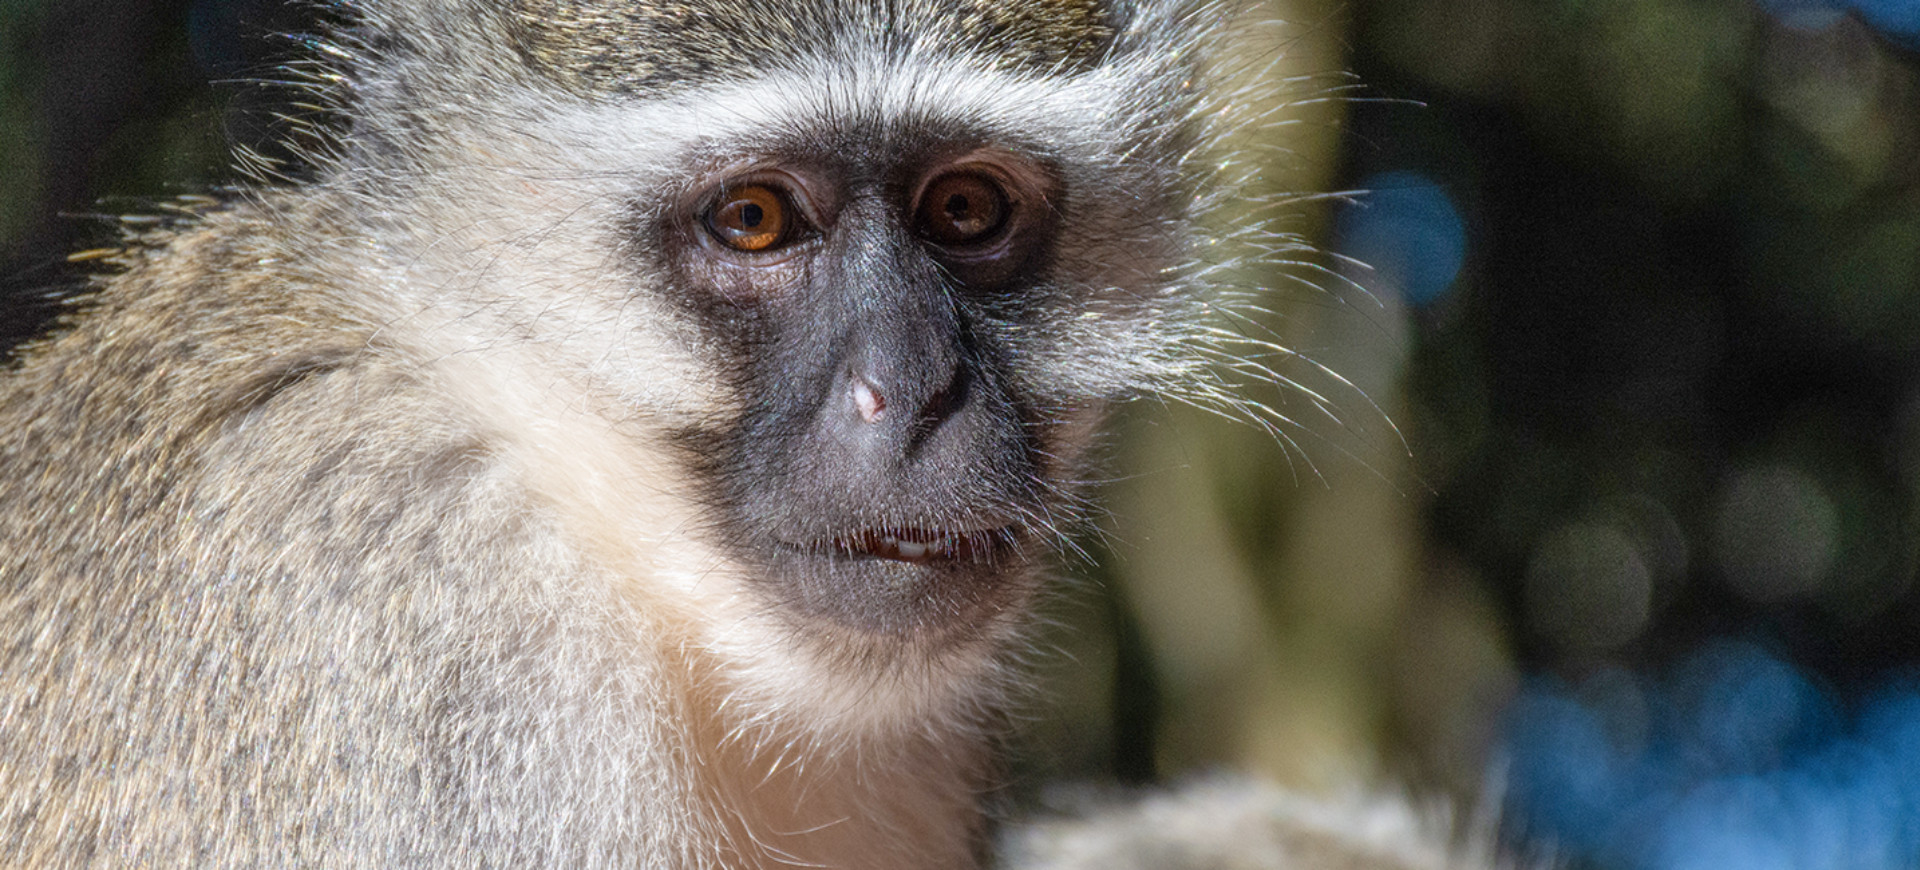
column 867, row 400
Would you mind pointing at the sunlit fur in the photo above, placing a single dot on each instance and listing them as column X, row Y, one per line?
column 345, row 527
column 1228, row 822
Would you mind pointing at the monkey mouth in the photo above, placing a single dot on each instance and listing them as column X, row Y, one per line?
column 903, row 581
column 925, row 546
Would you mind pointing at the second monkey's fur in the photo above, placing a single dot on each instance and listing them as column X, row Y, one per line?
column 475, row 505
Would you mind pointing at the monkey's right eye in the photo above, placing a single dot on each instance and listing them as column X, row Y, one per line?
column 751, row 218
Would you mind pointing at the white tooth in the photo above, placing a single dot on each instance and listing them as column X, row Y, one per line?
column 911, row 550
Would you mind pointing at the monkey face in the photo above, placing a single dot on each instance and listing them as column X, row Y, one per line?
column 888, row 475
column 876, row 288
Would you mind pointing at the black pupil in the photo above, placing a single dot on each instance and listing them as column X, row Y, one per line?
column 957, row 206
column 751, row 215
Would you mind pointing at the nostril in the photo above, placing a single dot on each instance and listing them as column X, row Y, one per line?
column 938, row 408
column 867, row 400
column 943, row 404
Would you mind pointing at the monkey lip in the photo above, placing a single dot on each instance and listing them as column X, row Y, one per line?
column 924, row 546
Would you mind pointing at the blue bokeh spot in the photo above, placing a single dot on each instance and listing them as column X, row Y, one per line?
column 1406, row 227
column 1897, row 18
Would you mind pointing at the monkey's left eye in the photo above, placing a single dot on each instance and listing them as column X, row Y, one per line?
column 751, row 218
column 962, row 208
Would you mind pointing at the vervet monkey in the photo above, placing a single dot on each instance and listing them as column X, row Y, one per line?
column 635, row 448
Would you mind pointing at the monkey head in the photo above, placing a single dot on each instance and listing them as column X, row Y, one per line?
column 871, row 272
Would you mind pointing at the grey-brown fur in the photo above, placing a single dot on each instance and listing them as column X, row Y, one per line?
column 648, row 46
column 194, row 674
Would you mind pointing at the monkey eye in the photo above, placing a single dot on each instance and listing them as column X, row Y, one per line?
column 962, row 208
column 751, row 218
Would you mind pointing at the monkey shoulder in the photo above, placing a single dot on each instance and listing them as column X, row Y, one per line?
column 268, row 592
column 222, row 343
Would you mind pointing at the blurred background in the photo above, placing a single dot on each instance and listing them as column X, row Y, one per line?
column 1611, row 526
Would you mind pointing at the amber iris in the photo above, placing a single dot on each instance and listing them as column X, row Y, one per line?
column 750, row 218
column 963, row 208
